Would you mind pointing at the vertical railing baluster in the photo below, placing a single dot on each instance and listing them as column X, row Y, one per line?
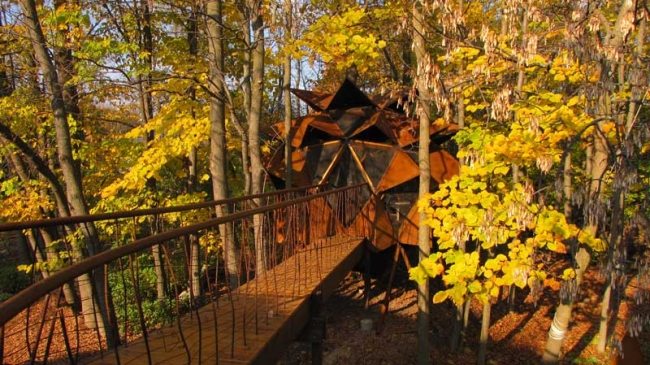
column 34, row 352
column 111, row 316
column 213, row 297
column 66, row 339
column 194, row 308
column 175, row 282
column 138, row 300
column 50, row 335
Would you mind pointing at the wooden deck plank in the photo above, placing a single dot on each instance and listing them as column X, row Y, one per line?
column 279, row 298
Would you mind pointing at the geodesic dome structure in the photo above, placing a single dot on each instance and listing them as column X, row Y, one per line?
column 350, row 138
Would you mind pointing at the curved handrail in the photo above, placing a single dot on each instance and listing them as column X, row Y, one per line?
column 13, row 226
column 15, row 304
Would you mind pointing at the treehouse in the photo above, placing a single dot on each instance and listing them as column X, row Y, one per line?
column 350, row 138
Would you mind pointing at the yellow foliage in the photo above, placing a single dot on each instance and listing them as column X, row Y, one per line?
column 341, row 40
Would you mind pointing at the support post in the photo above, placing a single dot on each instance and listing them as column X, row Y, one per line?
column 366, row 278
column 317, row 328
column 389, row 287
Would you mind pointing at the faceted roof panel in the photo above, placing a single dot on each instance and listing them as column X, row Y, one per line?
column 276, row 167
column 314, row 128
column 374, row 126
column 319, row 159
column 314, row 99
column 348, row 96
column 373, row 157
column 399, row 170
column 350, row 119
column 443, row 165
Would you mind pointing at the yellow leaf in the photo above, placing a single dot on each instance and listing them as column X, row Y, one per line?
column 568, row 274
column 494, row 291
column 440, row 296
column 474, row 287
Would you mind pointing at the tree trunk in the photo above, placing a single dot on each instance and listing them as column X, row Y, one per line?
column 195, row 247
column 423, row 113
column 254, row 121
column 454, row 339
column 485, row 332
column 246, row 64
column 243, row 134
column 288, row 11
column 218, row 133
column 146, row 103
column 567, row 188
column 615, row 40
column 69, row 169
column 597, row 164
column 50, row 253
column 6, row 135
column 65, row 69
column 615, row 238
column 562, row 316
column 7, row 85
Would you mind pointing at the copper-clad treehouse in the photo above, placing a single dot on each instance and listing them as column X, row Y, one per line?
column 349, row 139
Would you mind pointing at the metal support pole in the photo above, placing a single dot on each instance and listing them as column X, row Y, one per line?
column 366, row 278
column 317, row 332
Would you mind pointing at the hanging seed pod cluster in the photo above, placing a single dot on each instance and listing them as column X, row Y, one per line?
column 351, row 138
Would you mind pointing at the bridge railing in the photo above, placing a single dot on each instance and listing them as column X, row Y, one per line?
column 200, row 264
column 41, row 247
column 49, row 242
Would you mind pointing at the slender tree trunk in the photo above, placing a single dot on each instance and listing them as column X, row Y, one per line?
column 567, row 188
column 288, row 11
column 454, row 339
column 243, row 134
column 603, row 336
column 146, row 100
column 423, row 112
column 218, row 133
column 485, row 333
column 66, row 71
column 254, row 121
column 624, row 23
column 7, row 85
column 195, row 248
column 69, row 169
column 246, row 56
column 7, row 136
column 636, row 78
column 562, row 316
column 299, row 109
column 50, row 253
column 597, row 166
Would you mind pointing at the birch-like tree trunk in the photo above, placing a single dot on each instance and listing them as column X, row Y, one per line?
column 288, row 13
column 218, row 133
column 597, row 164
column 195, row 248
column 562, row 316
column 423, row 113
column 71, row 175
column 143, row 14
column 254, row 120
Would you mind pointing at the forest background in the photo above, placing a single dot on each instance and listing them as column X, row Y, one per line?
column 117, row 105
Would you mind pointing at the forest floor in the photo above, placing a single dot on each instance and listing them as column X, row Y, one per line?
column 516, row 337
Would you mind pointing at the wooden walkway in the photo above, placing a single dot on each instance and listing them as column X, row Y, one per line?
column 270, row 311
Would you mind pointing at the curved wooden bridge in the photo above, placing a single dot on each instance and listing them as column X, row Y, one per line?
column 292, row 248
